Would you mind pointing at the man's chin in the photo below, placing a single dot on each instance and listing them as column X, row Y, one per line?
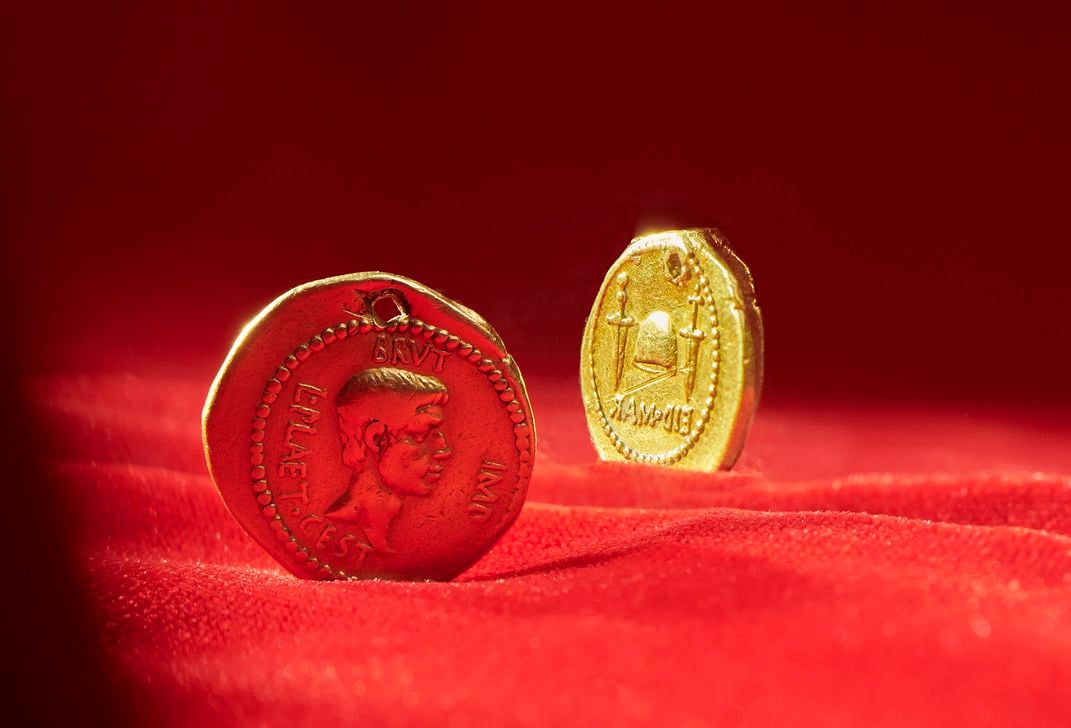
column 421, row 489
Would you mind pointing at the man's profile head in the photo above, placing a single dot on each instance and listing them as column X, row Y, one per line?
column 389, row 422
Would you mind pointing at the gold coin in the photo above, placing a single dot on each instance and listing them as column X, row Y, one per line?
column 671, row 361
column 366, row 426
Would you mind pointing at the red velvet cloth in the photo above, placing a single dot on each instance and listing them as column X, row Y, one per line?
column 861, row 566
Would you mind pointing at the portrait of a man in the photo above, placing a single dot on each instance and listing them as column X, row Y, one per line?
column 388, row 422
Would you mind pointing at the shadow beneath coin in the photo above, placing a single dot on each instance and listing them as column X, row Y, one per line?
column 578, row 561
column 692, row 582
column 631, row 485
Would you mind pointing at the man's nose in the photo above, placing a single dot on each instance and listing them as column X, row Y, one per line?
column 441, row 451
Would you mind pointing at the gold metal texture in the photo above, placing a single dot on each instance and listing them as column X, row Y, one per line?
column 366, row 426
column 671, row 360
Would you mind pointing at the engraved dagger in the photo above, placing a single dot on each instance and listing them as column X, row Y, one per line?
column 621, row 322
column 693, row 336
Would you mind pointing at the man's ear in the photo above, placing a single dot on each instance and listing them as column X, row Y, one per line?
column 375, row 436
column 352, row 450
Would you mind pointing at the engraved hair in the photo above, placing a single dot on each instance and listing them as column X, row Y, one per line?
column 386, row 379
column 361, row 409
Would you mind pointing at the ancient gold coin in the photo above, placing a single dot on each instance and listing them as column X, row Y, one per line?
column 365, row 426
column 671, row 361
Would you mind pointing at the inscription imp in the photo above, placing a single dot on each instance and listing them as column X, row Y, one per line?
column 489, row 474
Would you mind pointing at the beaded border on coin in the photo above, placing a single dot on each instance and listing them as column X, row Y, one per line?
column 319, row 342
column 677, row 453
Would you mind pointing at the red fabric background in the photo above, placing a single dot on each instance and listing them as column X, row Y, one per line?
column 894, row 546
column 868, row 567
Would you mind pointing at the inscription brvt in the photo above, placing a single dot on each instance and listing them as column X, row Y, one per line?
column 489, row 475
column 395, row 349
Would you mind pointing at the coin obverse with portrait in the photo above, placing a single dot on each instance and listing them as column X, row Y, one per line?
column 671, row 360
column 365, row 426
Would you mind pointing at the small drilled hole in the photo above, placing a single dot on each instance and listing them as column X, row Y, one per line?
column 387, row 307
column 677, row 271
column 673, row 266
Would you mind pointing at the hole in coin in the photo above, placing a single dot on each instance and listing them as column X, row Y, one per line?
column 677, row 271
column 388, row 306
column 673, row 266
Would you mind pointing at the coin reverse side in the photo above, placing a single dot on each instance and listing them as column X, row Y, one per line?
column 365, row 426
column 671, row 360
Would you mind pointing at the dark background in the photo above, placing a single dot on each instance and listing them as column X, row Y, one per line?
column 895, row 176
